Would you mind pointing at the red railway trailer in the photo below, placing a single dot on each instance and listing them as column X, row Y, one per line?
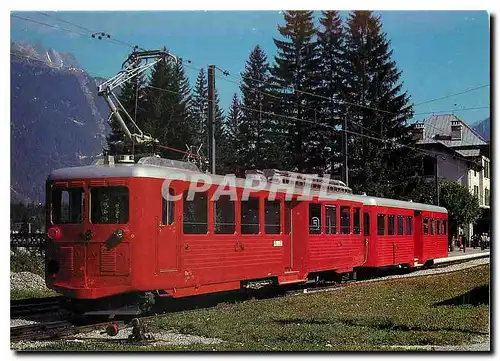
column 123, row 228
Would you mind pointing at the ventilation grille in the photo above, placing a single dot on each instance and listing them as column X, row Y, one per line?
column 108, row 260
column 66, row 260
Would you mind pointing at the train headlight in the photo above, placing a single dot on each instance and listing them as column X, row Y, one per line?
column 54, row 233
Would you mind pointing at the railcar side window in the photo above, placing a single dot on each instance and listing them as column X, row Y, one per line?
column 67, row 205
column 433, row 226
column 356, row 218
column 272, row 219
column 390, row 224
column 438, row 226
column 444, row 227
column 195, row 213
column 345, row 220
column 380, row 224
column 109, row 205
column 400, row 225
column 366, row 223
column 426, row 225
column 314, row 218
column 224, row 215
column 331, row 219
column 168, row 209
column 250, row 216
column 409, row 225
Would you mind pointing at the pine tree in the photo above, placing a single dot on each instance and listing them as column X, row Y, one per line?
column 331, row 47
column 231, row 135
column 168, row 104
column 255, row 128
column 297, row 67
column 375, row 106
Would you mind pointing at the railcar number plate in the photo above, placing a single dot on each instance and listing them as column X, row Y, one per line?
column 278, row 243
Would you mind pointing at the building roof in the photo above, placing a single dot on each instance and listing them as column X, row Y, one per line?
column 441, row 124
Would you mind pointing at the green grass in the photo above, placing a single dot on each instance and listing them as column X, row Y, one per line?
column 358, row 317
column 21, row 294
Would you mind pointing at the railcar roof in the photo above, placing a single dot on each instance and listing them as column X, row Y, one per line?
column 121, row 170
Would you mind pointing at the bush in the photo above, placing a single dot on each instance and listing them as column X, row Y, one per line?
column 27, row 261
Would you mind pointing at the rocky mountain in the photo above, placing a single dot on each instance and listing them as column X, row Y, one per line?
column 483, row 128
column 57, row 118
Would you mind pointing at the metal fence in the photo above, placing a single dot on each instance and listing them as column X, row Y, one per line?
column 28, row 240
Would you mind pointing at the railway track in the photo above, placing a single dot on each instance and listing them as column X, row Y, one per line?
column 34, row 306
column 61, row 329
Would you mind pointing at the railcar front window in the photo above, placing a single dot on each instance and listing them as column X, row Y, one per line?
column 345, row 220
column 409, row 225
column 250, row 216
column 357, row 220
column 400, row 225
column 426, row 225
column 380, row 224
column 331, row 219
column 390, row 225
column 67, row 205
column 314, row 218
column 109, row 205
column 272, row 210
column 224, row 215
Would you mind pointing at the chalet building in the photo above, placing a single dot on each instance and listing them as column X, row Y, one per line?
column 462, row 155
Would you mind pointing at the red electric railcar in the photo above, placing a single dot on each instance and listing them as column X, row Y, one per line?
column 113, row 233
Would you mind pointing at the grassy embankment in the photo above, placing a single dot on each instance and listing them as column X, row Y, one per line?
column 364, row 317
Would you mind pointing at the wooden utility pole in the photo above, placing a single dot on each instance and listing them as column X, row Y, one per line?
column 344, row 153
column 211, row 118
column 436, row 183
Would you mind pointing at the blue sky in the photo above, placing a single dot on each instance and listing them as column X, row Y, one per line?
column 439, row 52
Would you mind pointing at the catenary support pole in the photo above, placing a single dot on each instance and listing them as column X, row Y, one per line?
column 211, row 118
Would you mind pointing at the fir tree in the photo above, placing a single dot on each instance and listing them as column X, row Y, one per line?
column 331, row 47
column 297, row 68
column 376, row 106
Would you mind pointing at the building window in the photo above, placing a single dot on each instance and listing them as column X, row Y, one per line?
column 67, row 205
column 331, row 219
column 390, row 224
column 409, row 225
column 272, row 219
column 438, row 226
column 486, row 169
column 356, row 217
column 345, row 220
column 224, row 215
column 167, row 209
column 314, row 218
column 196, row 213
column 109, row 205
column 366, row 223
column 400, row 225
column 250, row 216
column 380, row 224
column 426, row 225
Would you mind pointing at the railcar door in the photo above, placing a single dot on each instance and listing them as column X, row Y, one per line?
column 418, row 236
column 167, row 249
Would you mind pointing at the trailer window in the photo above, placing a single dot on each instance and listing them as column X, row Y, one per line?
column 345, row 220
column 272, row 219
column 390, row 225
column 366, row 223
column 195, row 220
column 444, row 227
column 356, row 218
column 426, row 225
column 331, row 219
column 314, row 218
column 400, row 225
column 438, row 226
column 409, row 225
column 224, row 215
column 109, row 205
column 168, row 209
column 380, row 224
column 250, row 216
column 433, row 226
column 67, row 205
